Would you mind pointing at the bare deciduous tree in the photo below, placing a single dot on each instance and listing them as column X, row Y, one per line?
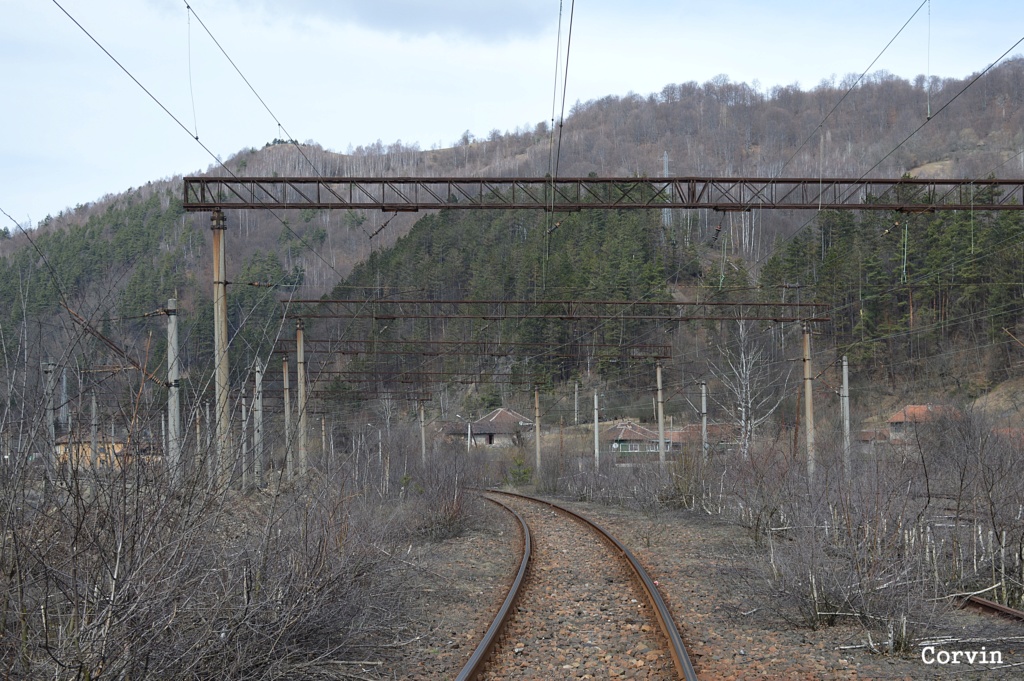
column 750, row 376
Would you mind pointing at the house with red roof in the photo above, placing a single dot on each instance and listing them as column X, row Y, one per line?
column 908, row 422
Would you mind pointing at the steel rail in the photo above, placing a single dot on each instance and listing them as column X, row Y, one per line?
column 991, row 607
column 478, row 660
column 680, row 658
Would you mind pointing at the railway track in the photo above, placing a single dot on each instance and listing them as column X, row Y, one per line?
column 581, row 606
column 988, row 607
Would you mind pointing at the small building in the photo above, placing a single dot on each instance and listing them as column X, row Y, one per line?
column 111, row 452
column 78, row 452
column 872, row 437
column 719, row 435
column 632, row 442
column 905, row 424
column 629, row 441
column 499, row 428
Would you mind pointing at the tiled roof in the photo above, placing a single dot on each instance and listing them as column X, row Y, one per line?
column 922, row 413
column 627, row 431
column 717, row 432
column 501, row 421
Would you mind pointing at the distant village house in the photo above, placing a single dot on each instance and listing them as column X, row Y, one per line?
column 500, row 428
column 906, row 424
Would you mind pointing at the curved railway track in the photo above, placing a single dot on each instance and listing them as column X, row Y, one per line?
column 580, row 606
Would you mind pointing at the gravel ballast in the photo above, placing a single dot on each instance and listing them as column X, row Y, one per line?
column 702, row 564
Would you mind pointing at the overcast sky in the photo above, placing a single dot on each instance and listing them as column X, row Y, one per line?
column 349, row 72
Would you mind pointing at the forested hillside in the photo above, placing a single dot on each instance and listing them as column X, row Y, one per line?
column 933, row 298
column 592, row 255
column 903, row 288
column 273, row 535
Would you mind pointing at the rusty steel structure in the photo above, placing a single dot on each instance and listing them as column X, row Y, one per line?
column 441, row 348
column 411, row 194
column 363, row 393
column 419, row 377
column 386, row 372
column 404, row 194
column 562, row 310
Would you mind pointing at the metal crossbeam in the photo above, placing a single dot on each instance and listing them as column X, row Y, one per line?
column 562, row 310
column 570, row 194
column 434, row 348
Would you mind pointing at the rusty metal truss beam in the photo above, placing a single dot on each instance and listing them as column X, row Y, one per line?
column 433, row 348
column 562, row 310
column 420, row 377
column 410, row 194
column 361, row 392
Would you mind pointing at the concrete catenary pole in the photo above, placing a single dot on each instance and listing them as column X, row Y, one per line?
column 257, row 429
column 661, row 419
column 65, row 403
column 809, row 404
column 218, row 226
column 576, row 403
column 208, row 442
column 423, row 438
column 173, row 396
column 845, row 398
column 94, row 436
column 597, row 437
column 50, row 383
column 199, row 430
column 245, row 445
column 300, row 378
column 536, row 427
column 289, row 460
column 704, row 422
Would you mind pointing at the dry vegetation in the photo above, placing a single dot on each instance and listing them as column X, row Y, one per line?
column 112, row 573
column 890, row 547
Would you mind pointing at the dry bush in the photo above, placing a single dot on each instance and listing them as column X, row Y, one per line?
column 439, row 505
column 918, row 522
column 115, row 575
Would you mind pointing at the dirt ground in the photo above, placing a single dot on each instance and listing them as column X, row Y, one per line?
column 703, row 567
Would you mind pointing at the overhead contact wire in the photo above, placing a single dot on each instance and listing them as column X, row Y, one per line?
column 253, row 89
column 565, row 87
column 183, row 127
column 850, row 89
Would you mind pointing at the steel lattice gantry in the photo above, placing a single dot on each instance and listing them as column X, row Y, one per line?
column 570, row 194
column 216, row 194
column 385, row 309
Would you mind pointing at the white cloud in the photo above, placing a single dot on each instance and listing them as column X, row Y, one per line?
column 352, row 72
column 476, row 20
